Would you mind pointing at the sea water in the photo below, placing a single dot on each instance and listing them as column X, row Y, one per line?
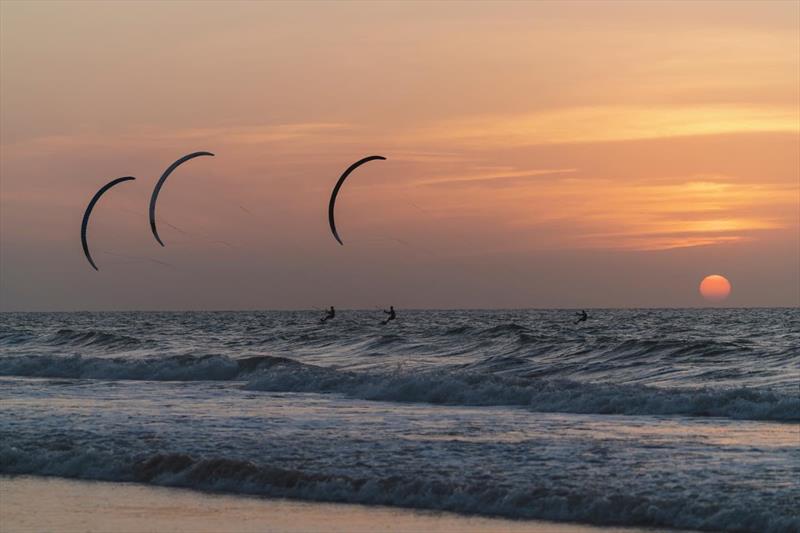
column 666, row 418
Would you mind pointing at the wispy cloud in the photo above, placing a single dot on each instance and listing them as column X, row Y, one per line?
column 500, row 176
column 145, row 137
column 612, row 123
column 682, row 213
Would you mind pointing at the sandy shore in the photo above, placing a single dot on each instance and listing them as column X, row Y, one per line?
column 53, row 504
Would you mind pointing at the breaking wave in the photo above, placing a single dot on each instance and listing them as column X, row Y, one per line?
column 543, row 395
column 538, row 500
column 444, row 386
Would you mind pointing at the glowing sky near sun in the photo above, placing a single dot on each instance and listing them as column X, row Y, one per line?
column 539, row 154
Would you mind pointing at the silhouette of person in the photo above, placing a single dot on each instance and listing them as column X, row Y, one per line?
column 330, row 313
column 582, row 317
column 391, row 316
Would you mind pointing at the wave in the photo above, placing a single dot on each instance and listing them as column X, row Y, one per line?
column 458, row 330
column 503, row 329
column 70, row 337
column 172, row 368
column 607, row 347
column 697, row 349
column 538, row 500
column 456, row 387
column 444, row 386
column 93, row 338
column 12, row 338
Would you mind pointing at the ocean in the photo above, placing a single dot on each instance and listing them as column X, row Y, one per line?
column 664, row 418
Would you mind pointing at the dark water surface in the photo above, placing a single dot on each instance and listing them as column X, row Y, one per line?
column 669, row 418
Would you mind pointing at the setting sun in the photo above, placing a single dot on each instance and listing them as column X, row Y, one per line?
column 715, row 288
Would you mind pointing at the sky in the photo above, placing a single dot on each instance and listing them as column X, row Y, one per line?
column 539, row 155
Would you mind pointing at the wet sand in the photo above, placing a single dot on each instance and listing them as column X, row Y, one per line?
column 53, row 504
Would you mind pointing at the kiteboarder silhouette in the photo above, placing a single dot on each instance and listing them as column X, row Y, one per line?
column 582, row 317
column 329, row 314
column 391, row 316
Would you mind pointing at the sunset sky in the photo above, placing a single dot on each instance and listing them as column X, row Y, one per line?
column 562, row 154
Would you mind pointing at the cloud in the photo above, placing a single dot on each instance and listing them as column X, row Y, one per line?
column 149, row 137
column 500, row 177
column 612, row 123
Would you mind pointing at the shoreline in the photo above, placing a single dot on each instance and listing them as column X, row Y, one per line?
column 37, row 503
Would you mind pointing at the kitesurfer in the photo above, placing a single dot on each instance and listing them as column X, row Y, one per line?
column 391, row 316
column 329, row 314
column 582, row 317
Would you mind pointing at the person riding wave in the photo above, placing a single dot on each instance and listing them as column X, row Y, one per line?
column 392, row 315
column 582, row 317
column 329, row 314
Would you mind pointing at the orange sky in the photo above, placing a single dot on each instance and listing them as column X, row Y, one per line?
column 562, row 154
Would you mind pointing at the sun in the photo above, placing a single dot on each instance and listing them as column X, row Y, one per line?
column 715, row 288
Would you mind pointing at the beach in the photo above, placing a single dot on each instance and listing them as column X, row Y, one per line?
column 51, row 504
